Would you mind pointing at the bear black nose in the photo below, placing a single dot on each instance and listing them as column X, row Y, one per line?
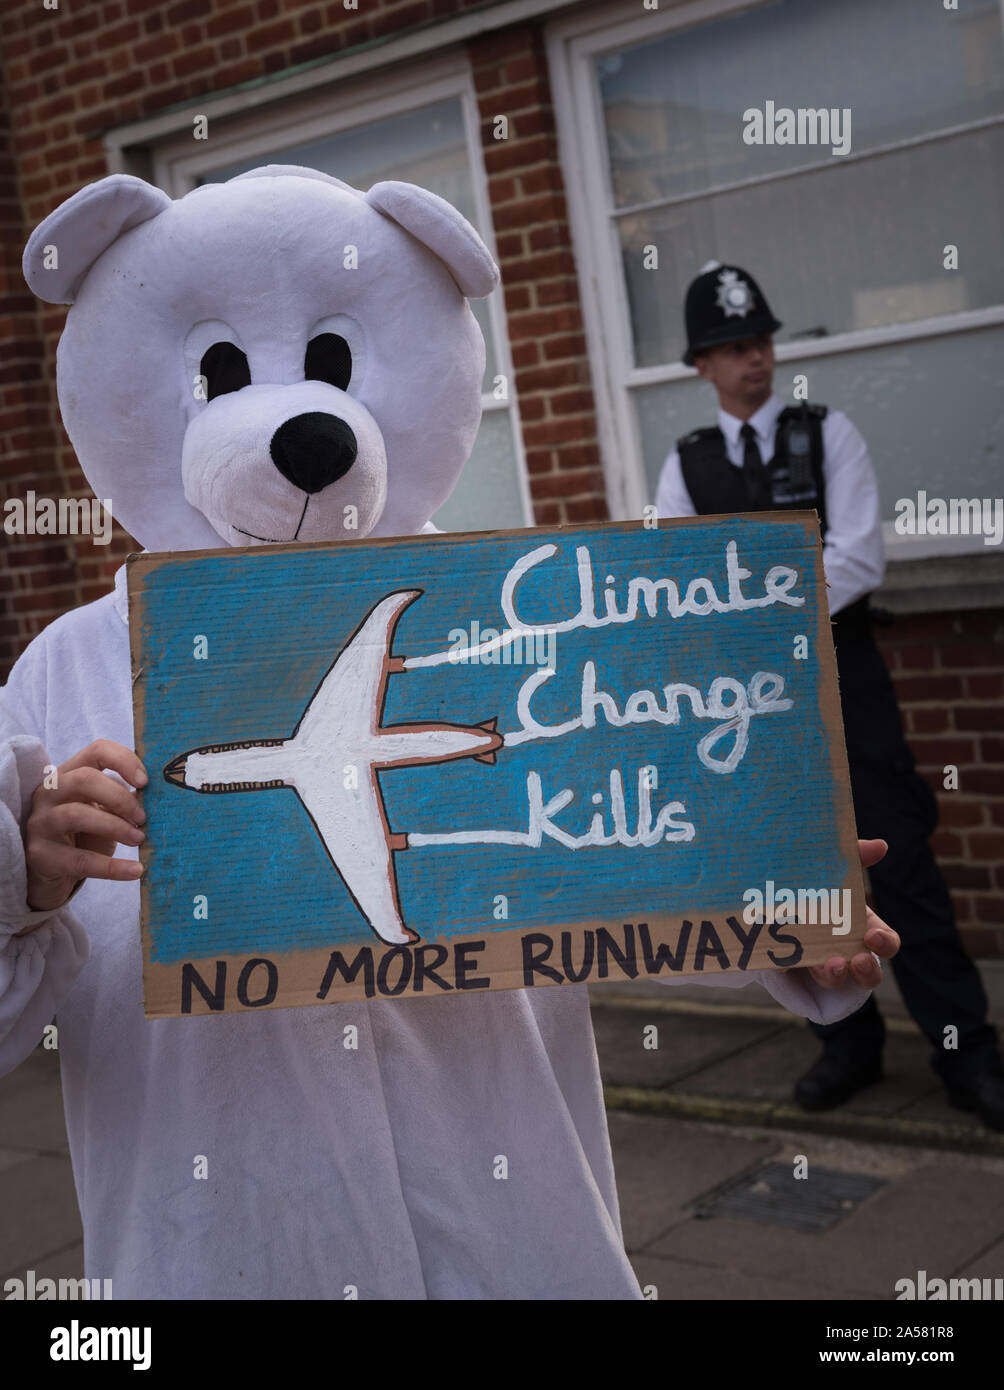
column 313, row 450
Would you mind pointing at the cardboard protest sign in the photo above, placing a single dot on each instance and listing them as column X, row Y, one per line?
column 405, row 767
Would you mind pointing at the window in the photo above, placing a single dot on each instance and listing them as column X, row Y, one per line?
column 848, row 248
column 425, row 134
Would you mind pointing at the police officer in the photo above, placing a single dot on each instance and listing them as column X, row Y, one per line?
column 763, row 456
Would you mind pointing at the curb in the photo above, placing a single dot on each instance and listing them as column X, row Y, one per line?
column 927, row 1134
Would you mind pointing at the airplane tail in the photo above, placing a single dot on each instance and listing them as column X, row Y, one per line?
column 490, row 726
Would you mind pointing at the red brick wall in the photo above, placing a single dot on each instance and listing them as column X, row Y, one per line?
column 948, row 669
column 526, row 188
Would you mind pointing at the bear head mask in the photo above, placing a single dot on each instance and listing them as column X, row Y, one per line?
column 279, row 357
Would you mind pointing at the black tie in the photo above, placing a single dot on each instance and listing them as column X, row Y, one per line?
column 754, row 472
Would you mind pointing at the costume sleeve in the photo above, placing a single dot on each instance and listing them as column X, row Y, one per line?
column 41, row 953
column 671, row 495
column 853, row 558
column 795, row 989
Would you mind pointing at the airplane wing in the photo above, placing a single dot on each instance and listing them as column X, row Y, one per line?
column 348, row 703
column 352, row 825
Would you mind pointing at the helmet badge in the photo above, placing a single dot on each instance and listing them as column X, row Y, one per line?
column 734, row 295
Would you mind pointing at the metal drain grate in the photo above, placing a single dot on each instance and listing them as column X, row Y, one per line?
column 771, row 1193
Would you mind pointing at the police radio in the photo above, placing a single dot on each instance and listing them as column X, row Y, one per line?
column 796, row 439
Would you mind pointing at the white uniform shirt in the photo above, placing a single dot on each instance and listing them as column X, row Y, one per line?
column 328, row 1167
column 853, row 559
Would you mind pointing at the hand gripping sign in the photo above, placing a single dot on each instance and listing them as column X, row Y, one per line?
column 489, row 761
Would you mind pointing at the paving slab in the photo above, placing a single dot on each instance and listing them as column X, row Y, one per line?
column 684, row 1282
column 933, row 1218
column 40, row 1213
column 31, row 1107
column 662, row 1165
column 989, row 1265
column 686, row 1044
column 889, row 999
column 64, row 1264
column 768, row 1070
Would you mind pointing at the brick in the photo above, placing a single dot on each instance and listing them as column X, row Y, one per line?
column 517, row 297
column 563, row 291
column 966, row 875
column 550, row 377
column 961, row 655
column 566, row 484
column 992, row 751
column 509, row 245
column 920, row 720
column 515, row 153
column 233, row 21
column 540, row 267
column 979, row 717
column 539, row 460
column 121, row 86
column 587, row 509
column 515, row 99
column 911, row 657
column 990, row 909
column 938, row 752
column 947, row 844
column 571, row 402
column 983, row 943
column 569, row 429
column 927, row 688
column 525, row 65
column 187, row 9
column 501, row 189
column 564, row 345
column 270, row 36
column 193, row 60
column 502, row 43
column 320, row 46
column 540, row 324
column 547, row 514
column 525, row 354
column 955, row 810
column 986, row 845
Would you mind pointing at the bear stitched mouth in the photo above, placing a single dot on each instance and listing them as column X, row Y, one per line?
column 275, row 540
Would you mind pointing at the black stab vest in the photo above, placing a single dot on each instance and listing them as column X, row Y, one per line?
column 794, row 475
column 716, row 485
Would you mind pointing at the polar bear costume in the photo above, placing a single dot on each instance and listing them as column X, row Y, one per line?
column 328, row 1169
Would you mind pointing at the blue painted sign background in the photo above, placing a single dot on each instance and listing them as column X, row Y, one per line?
column 269, row 623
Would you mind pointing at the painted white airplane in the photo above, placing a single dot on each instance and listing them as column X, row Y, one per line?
column 342, row 728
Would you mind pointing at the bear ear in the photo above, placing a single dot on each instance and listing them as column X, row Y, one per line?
column 439, row 226
column 62, row 249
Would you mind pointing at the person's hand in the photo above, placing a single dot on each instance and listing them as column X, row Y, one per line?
column 862, row 969
column 73, row 827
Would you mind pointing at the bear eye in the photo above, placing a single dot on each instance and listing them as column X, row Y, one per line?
column 329, row 359
column 225, row 369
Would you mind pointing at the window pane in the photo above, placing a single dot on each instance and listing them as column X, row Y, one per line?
column 426, row 146
column 853, row 247
column 673, row 106
column 929, row 412
column 487, row 497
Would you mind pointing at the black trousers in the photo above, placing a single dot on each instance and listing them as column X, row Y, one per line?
column 939, row 983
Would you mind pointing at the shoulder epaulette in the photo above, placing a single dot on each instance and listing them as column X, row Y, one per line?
column 695, row 436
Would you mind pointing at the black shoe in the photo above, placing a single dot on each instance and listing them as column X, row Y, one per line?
column 833, row 1079
column 984, row 1094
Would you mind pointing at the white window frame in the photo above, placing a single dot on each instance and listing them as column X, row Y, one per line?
column 178, row 160
column 572, row 44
